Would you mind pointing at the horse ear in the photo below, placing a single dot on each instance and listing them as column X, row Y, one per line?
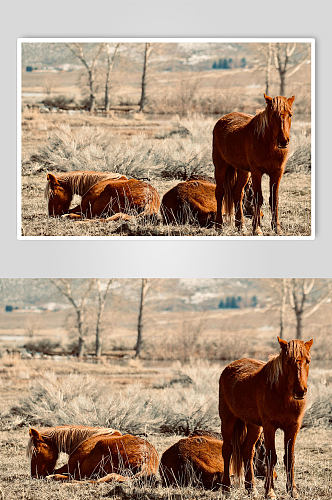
column 268, row 99
column 35, row 435
column 290, row 100
column 282, row 343
column 52, row 180
column 309, row 344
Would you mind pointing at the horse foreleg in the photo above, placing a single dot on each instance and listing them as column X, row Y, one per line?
column 248, row 451
column 289, row 444
column 59, row 477
column 274, row 201
column 271, row 460
column 258, row 202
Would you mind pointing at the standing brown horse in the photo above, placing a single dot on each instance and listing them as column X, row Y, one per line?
column 244, row 144
column 102, row 457
column 254, row 394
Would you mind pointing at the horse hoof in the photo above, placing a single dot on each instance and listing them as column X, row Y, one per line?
column 271, row 494
column 226, row 490
column 253, row 493
column 258, row 232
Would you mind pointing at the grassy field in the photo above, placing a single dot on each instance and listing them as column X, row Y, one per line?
column 168, row 143
column 136, row 398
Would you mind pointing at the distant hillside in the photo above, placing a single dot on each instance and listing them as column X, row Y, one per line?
column 164, row 57
column 165, row 294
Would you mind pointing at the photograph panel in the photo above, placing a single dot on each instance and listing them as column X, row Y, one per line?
column 168, row 138
column 128, row 388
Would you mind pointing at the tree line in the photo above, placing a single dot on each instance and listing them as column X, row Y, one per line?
column 285, row 58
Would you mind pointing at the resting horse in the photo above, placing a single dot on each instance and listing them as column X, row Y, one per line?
column 197, row 460
column 60, row 188
column 244, row 144
column 99, row 458
column 110, row 198
column 254, row 394
column 45, row 445
column 196, row 198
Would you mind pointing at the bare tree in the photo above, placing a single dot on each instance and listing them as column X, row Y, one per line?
column 147, row 51
column 110, row 58
column 282, row 54
column 268, row 56
column 279, row 289
column 101, row 299
column 64, row 286
column 300, row 290
column 89, row 64
column 285, row 64
column 143, row 291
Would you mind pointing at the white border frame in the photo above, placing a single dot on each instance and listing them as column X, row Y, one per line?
column 20, row 41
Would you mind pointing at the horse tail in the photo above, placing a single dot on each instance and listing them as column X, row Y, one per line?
column 239, row 434
column 229, row 182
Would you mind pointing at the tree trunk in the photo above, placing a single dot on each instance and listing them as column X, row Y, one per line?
column 282, row 308
column 143, row 84
column 268, row 69
column 299, row 325
column 282, row 82
column 110, row 64
column 138, row 346
column 98, row 342
column 81, row 341
column 92, row 99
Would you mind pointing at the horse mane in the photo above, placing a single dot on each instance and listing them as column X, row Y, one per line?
column 80, row 182
column 261, row 122
column 261, row 119
column 273, row 369
column 68, row 437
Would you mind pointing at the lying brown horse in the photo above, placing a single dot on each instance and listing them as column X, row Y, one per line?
column 196, row 199
column 60, row 188
column 244, row 144
column 197, row 461
column 192, row 199
column 111, row 198
column 99, row 458
column 254, row 394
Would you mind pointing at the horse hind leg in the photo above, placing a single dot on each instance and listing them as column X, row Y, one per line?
column 238, row 192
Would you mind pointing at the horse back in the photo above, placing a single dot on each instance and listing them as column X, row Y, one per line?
column 232, row 122
column 239, row 387
column 193, row 459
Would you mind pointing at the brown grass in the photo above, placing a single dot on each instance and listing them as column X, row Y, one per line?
column 134, row 148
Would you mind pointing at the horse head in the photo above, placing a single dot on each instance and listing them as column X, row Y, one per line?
column 59, row 196
column 43, row 454
column 295, row 356
column 279, row 112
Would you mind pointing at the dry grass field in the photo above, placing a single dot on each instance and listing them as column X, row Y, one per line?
column 166, row 395
column 162, row 402
column 166, row 144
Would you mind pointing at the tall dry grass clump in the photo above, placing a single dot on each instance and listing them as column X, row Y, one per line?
column 170, row 155
column 82, row 400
